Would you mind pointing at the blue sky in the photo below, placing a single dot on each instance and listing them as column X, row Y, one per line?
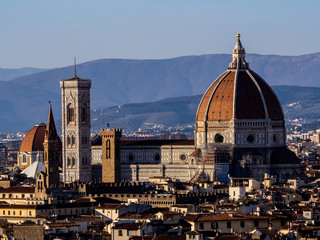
column 43, row 33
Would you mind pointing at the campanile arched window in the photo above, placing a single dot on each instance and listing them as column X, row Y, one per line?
column 84, row 113
column 70, row 113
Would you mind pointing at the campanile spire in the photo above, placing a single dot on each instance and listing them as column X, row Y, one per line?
column 52, row 151
column 238, row 56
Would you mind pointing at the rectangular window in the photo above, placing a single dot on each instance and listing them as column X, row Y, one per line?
column 283, row 222
column 24, row 159
column 228, row 224
column 242, row 224
column 120, row 233
column 201, row 226
column 256, row 223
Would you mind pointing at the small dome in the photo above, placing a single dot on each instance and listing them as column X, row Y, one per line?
column 33, row 140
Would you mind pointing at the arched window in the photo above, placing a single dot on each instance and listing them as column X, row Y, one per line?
column 108, row 149
column 70, row 113
column 84, row 113
column 73, row 140
column 73, row 161
column 68, row 141
column 24, row 158
column 69, row 161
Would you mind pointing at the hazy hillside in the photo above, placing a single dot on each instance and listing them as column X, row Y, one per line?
column 7, row 74
column 24, row 101
column 297, row 102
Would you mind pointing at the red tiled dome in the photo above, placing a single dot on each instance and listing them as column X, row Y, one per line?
column 239, row 93
column 33, row 140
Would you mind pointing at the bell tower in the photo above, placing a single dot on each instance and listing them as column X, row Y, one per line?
column 76, row 151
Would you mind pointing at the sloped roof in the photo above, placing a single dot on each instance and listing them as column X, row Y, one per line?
column 33, row 169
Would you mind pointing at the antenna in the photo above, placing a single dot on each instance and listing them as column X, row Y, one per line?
column 102, row 119
column 75, row 67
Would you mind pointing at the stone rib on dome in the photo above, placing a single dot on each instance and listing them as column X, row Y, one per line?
column 206, row 99
column 33, row 140
column 249, row 104
column 222, row 109
column 273, row 105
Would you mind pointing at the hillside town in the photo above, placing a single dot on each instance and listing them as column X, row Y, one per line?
column 242, row 175
column 162, row 208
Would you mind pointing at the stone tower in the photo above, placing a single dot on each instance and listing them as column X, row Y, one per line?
column 76, row 151
column 111, row 171
column 52, row 151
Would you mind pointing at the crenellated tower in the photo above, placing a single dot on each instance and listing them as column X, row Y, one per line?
column 111, row 139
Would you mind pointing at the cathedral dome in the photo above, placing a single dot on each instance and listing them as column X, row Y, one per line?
column 239, row 93
column 33, row 140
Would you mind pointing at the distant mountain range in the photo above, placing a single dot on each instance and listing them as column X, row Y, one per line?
column 24, row 100
column 7, row 74
column 297, row 102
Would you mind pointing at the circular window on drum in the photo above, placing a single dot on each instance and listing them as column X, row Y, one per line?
column 218, row 138
column 130, row 157
column 157, row 157
column 183, row 157
column 250, row 138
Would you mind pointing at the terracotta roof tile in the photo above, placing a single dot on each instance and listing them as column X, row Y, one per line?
column 196, row 153
column 156, row 142
column 17, row 190
column 205, row 99
column 249, row 104
column 219, row 100
column 221, row 105
column 33, row 140
column 131, row 226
